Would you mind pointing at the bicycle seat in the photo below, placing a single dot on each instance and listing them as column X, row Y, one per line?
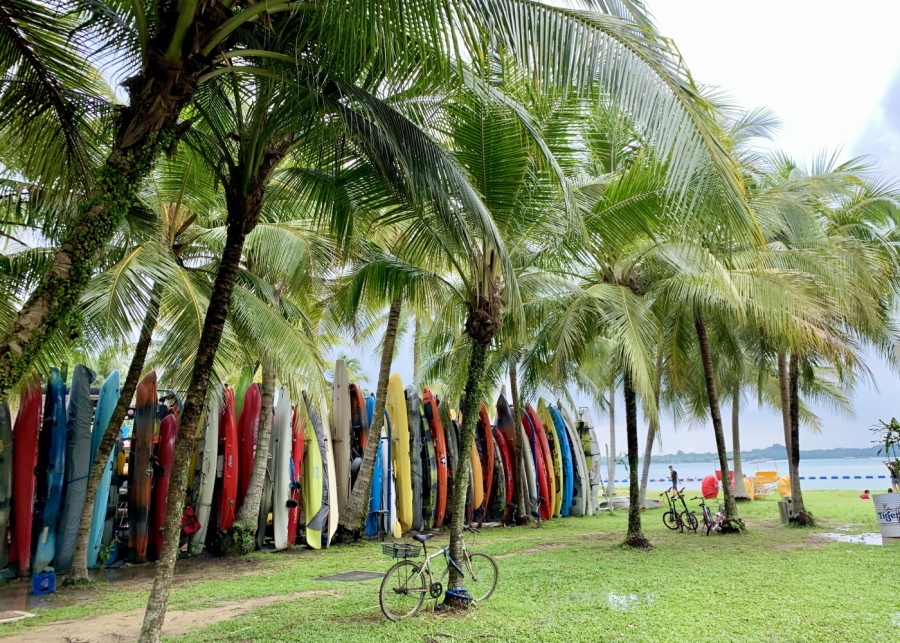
column 422, row 537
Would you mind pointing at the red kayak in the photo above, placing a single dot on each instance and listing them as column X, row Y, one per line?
column 541, row 452
column 228, row 443
column 248, row 428
column 297, row 436
column 165, row 455
column 25, row 455
column 430, row 409
column 509, row 483
column 484, row 432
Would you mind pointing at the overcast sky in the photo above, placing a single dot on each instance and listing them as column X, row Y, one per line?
column 831, row 72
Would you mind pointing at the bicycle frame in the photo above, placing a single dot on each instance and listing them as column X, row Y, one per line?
column 425, row 567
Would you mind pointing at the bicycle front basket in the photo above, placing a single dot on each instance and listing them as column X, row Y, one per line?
column 401, row 550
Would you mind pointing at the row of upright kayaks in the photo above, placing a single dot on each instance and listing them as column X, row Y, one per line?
column 419, row 453
column 47, row 453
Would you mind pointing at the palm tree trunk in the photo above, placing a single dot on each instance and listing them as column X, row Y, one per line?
column 635, row 536
column 242, row 217
column 800, row 516
column 653, row 428
column 523, row 517
column 474, row 393
column 733, row 523
column 352, row 518
column 611, row 459
column 784, row 388
column 248, row 516
column 740, row 491
column 108, row 443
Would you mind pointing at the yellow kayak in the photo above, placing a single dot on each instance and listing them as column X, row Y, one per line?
column 553, row 442
column 395, row 405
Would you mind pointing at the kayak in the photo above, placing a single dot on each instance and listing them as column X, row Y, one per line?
column 106, row 404
column 165, row 456
column 376, row 499
column 247, row 430
column 416, row 456
column 359, row 430
column 297, row 431
column 140, row 468
column 436, row 428
column 429, row 476
column 528, row 472
column 228, row 442
column 508, row 471
column 582, row 485
column 315, row 481
column 485, row 439
column 283, row 451
column 564, row 447
column 25, row 458
column 53, row 459
column 6, row 479
column 539, row 451
column 555, row 462
column 205, row 479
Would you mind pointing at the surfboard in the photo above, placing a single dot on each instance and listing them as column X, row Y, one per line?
column 485, row 437
column 340, row 434
column 509, row 483
column 564, row 454
column 297, row 436
column 392, row 525
column 359, row 430
column 315, row 480
column 165, row 456
column 416, row 457
column 51, row 472
column 581, row 483
column 205, row 480
column 247, row 430
column 6, row 479
column 540, row 452
column 281, row 431
column 228, row 440
column 555, row 463
column 334, row 502
column 596, row 461
column 25, row 458
column 107, row 400
column 395, row 406
column 436, row 427
column 140, row 469
column 429, row 476
column 532, row 505
column 377, row 491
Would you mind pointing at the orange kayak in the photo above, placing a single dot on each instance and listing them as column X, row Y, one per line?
column 541, row 437
column 430, row 409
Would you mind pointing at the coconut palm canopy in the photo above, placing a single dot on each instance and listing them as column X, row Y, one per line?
column 532, row 189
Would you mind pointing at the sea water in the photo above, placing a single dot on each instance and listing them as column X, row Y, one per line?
column 832, row 473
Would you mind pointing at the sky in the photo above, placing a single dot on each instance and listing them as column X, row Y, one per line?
column 831, row 73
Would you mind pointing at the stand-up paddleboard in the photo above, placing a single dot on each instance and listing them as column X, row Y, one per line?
column 582, row 486
column 106, row 404
column 297, row 431
column 506, row 426
column 595, row 462
column 281, row 432
column 6, row 479
column 25, row 457
column 395, row 406
column 376, row 499
column 531, row 505
column 140, row 469
column 248, row 430
column 55, row 425
column 565, row 454
column 165, row 456
column 267, row 498
column 228, row 438
column 509, row 483
column 543, row 463
column 359, row 431
column 78, row 465
column 314, row 479
column 205, row 478
column 436, row 429
column 340, row 434
column 555, row 463
column 540, row 452
column 485, row 436
column 429, row 476
column 416, row 465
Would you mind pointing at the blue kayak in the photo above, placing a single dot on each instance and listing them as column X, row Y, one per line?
column 377, row 497
column 370, row 408
column 565, row 447
column 106, row 404
column 55, row 424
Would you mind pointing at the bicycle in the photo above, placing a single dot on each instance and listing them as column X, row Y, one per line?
column 708, row 520
column 688, row 517
column 405, row 585
column 672, row 519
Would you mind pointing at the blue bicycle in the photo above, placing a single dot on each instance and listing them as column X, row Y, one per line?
column 406, row 584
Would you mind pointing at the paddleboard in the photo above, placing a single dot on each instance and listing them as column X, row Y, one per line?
column 416, row 457
column 25, row 458
column 315, row 481
column 395, row 406
column 140, row 468
column 436, row 428
column 248, row 431
column 567, row 477
column 205, row 479
column 340, row 435
column 283, row 452
column 165, row 456
column 582, row 485
column 228, row 441
column 107, row 400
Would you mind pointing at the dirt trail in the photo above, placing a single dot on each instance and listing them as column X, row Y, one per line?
column 125, row 626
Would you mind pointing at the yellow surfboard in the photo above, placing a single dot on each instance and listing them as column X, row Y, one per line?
column 552, row 439
column 395, row 405
column 477, row 479
column 312, row 486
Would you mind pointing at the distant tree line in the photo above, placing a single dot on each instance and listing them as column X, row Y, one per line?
column 776, row 451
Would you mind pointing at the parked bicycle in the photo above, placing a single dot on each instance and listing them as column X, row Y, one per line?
column 708, row 520
column 406, row 584
column 688, row 517
column 672, row 518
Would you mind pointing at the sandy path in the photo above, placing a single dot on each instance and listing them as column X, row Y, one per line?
column 125, row 626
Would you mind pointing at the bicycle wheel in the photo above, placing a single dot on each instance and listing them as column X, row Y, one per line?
column 670, row 520
column 690, row 519
column 402, row 590
column 482, row 576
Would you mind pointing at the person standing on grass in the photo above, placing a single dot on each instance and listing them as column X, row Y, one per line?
column 674, row 475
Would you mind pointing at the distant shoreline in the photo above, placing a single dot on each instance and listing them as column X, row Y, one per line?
column 774, row 452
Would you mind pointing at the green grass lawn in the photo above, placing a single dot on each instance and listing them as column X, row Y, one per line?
column 571, row 580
